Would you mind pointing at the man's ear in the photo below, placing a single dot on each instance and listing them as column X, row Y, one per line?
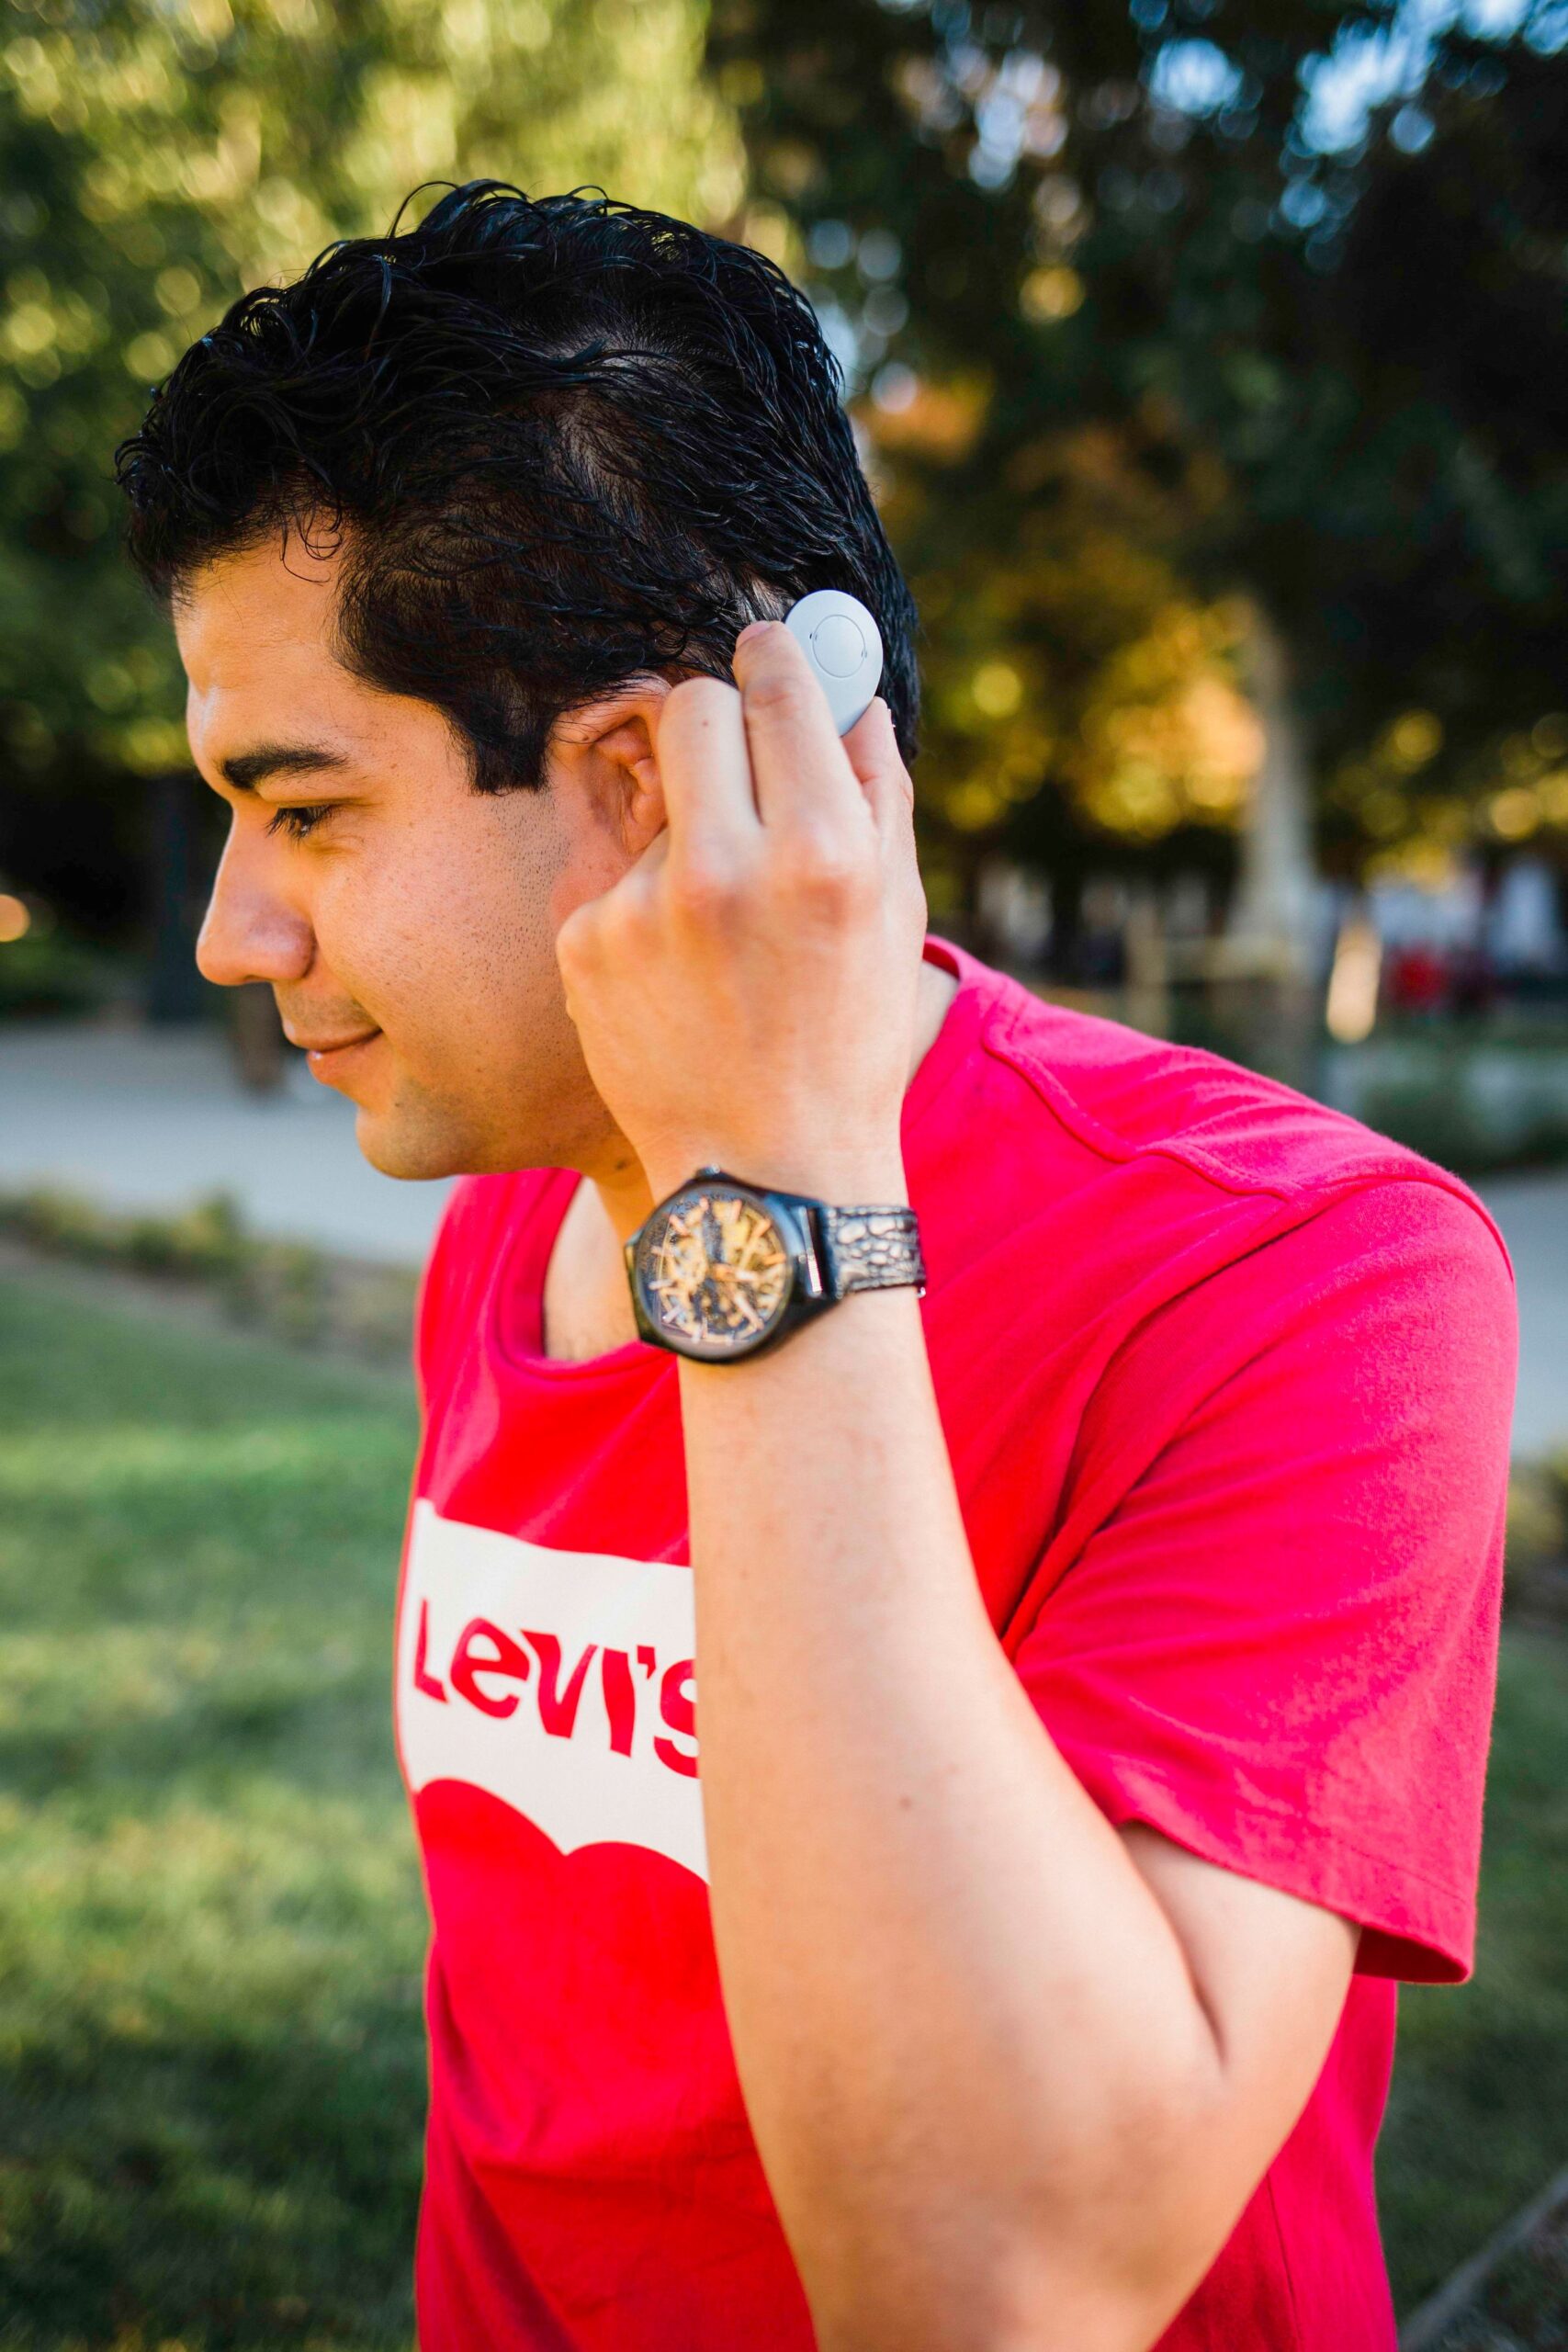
column 607, row 751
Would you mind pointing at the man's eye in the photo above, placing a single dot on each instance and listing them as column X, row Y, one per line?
column 298, row 823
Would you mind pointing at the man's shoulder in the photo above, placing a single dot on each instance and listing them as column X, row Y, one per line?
column 1090, row 1095
column 1107, row 1174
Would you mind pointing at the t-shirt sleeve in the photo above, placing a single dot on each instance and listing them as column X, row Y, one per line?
column 1278, row 1648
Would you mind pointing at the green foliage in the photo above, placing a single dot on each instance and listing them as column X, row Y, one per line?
column 1161, row 363
column 1199, row 356
column 211, row 2059
column 1160, row 359
column 158, row 160
column 50, row 972
column 1474, row 2126
column 1043, row 508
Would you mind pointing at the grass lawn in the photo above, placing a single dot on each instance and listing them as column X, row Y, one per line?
column 211, row 2065
column 1478, row 2120
column 212, row 1928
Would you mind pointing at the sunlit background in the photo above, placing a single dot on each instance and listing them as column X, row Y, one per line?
column 1209, row 360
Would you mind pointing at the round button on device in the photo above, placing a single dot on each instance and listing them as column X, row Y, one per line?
column 843, row 645
column 838, row 646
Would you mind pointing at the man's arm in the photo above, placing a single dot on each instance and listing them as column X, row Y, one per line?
column 1012, row 2074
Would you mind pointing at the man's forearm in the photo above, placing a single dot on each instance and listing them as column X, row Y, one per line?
column 977, row 2052
column 969, row 2039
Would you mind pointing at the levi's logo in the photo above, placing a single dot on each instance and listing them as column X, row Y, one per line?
column 560, row 1682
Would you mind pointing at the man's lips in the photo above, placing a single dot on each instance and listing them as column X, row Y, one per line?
column 325, row 1055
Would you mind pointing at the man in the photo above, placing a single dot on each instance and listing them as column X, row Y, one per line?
column 1095, row 1651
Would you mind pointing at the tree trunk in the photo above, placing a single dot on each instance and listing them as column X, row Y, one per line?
column 1266, row 961
column 1271, row 929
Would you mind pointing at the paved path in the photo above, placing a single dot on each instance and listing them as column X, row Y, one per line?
column 152, row 1119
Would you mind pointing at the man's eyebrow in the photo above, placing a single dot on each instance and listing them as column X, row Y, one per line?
column 243, row 769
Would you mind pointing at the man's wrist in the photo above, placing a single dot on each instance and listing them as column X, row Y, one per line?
column 845, row 1178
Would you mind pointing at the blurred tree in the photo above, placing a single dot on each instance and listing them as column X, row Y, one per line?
column 1440, row 552
column 1199, row 345
column 155, row 161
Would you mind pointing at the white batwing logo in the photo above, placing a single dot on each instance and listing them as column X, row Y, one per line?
column 560, row 1682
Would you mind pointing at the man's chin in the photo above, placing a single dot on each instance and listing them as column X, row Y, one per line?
column 415, row 1147
column 409, row 1130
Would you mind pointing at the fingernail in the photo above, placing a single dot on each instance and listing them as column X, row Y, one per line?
column 753, row 628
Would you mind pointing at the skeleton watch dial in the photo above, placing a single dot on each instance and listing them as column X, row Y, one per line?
column 713, row 1273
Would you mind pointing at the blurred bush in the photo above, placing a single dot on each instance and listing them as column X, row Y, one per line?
column 1538, row 1514
column 1474, row 1103
column 289, row 1290
column 48, row 972
column 204, row 1242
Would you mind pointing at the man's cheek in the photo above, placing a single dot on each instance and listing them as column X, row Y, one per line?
column 375, row 952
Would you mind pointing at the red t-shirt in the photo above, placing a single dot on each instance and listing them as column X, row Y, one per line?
column 1226, row 1383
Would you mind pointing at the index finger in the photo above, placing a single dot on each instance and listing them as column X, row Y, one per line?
column 799, row 768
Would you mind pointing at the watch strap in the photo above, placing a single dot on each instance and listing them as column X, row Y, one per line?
column 873, row 1248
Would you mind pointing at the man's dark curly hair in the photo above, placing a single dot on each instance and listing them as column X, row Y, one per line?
column 561, row 443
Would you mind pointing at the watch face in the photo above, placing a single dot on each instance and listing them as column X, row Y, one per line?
column 714, row 1272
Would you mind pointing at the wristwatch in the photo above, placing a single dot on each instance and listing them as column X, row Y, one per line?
column 723, row 1268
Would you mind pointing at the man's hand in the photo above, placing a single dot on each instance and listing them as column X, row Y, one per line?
column 1012, row 2074
column 746, row 994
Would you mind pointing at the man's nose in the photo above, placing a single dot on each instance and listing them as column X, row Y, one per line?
column 252, row 931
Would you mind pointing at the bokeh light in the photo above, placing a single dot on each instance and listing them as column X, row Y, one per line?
column 15, row 921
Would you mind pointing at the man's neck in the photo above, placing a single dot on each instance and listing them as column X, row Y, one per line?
column 623, row 1196
column 586, row 1305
